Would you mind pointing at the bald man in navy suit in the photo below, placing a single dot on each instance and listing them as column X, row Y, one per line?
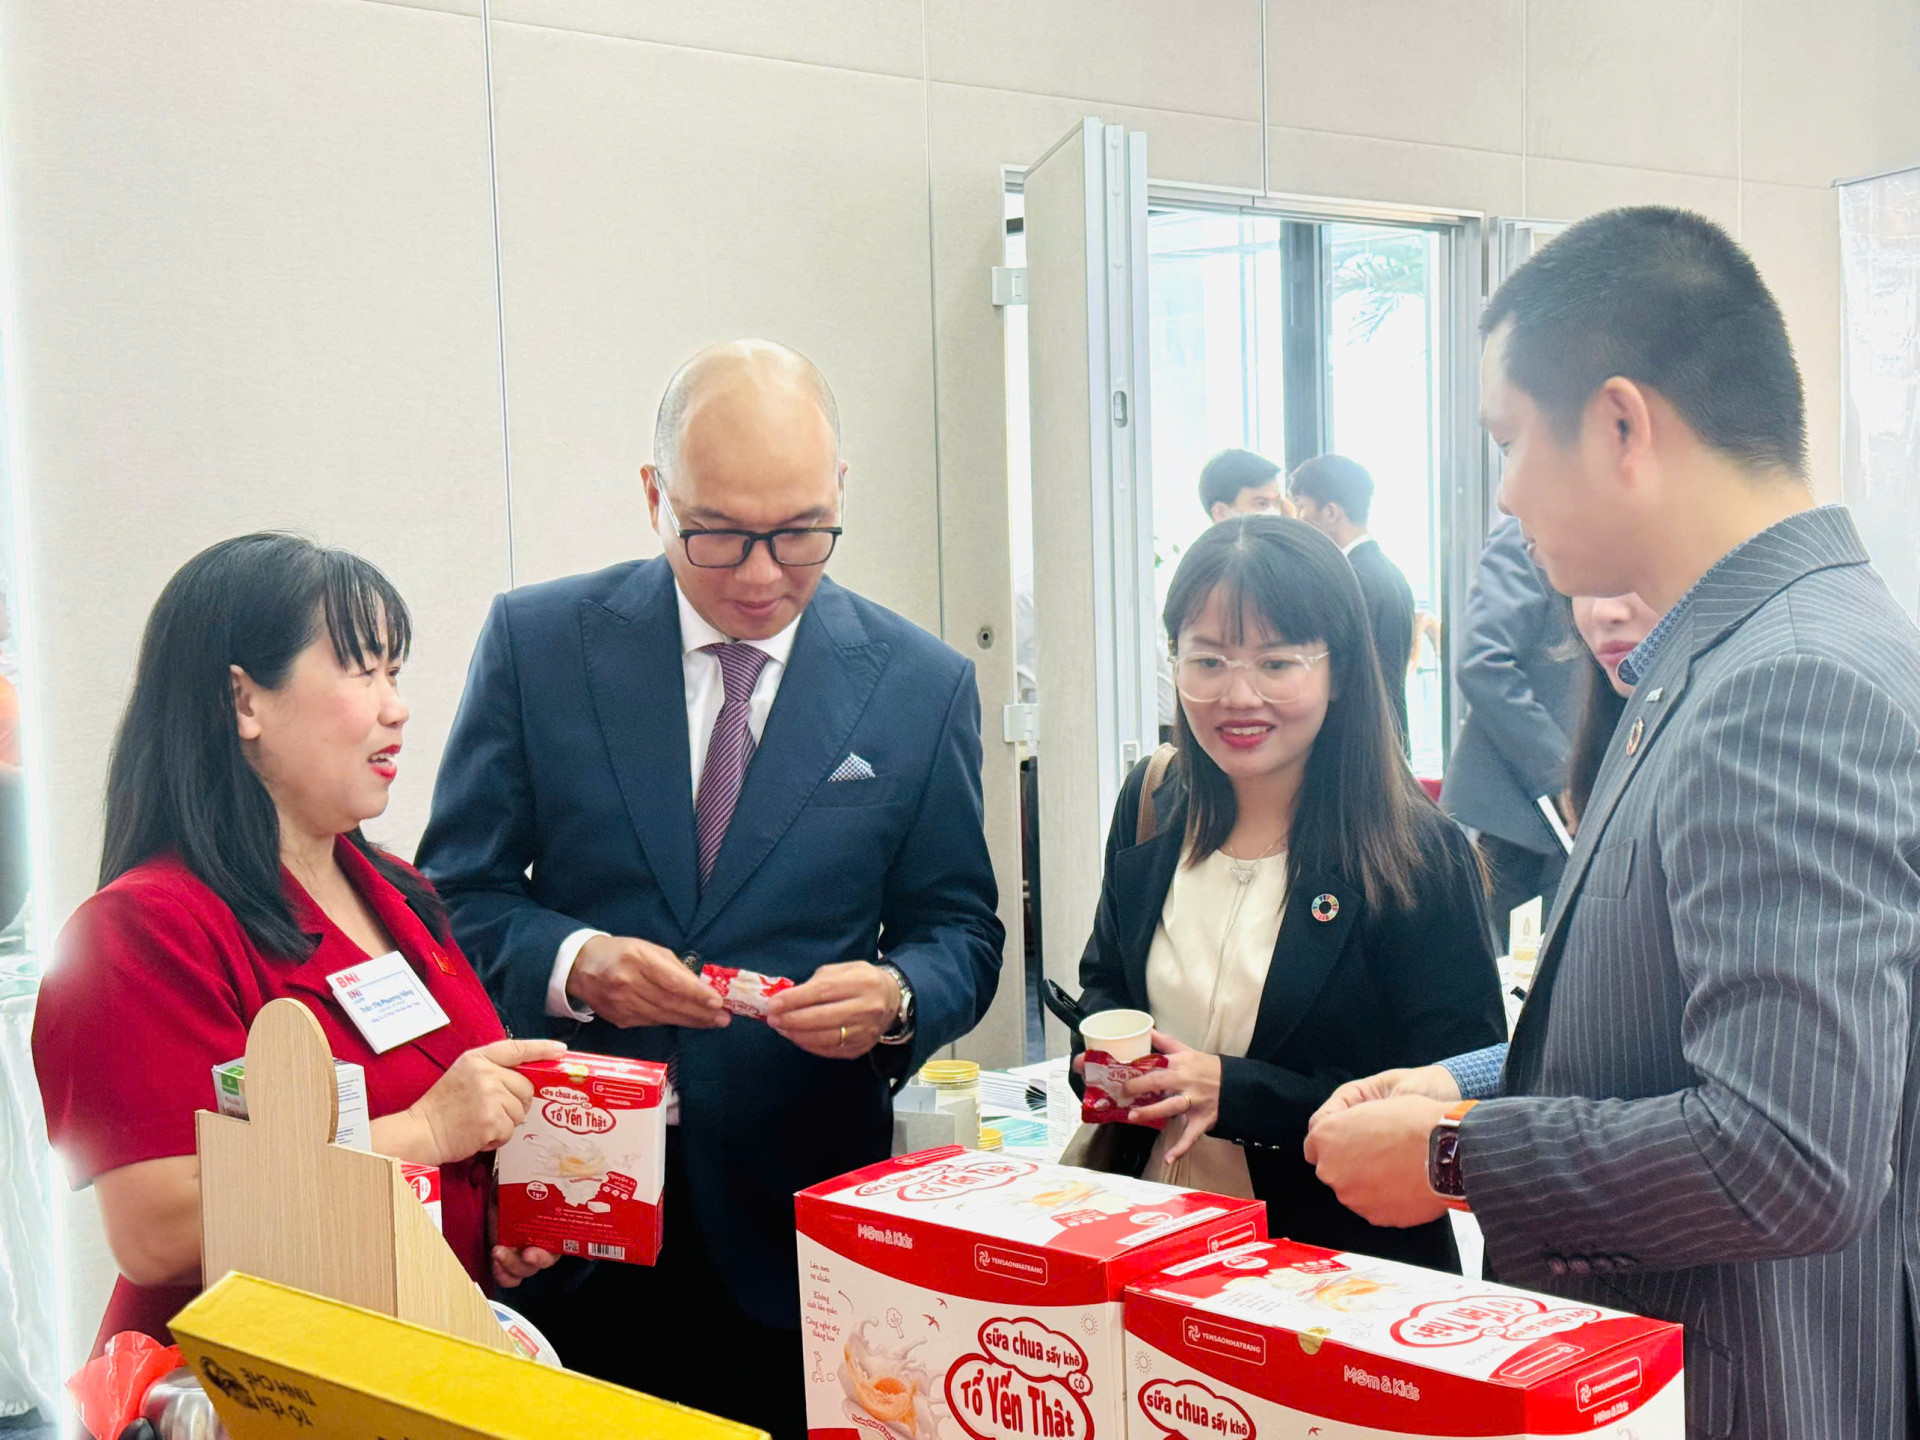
column 721, row 756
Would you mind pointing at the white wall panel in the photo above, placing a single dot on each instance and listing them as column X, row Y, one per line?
column 1648, row 83
column 1200, row 56
column 1443, row 72
column 655, row 199
column 879, row 35
column 1807, row 98
column 1793, row 234
column 1397, row 172
column 1892, row 67
column 1571, row 190
column 252, row 284
column 977, row 129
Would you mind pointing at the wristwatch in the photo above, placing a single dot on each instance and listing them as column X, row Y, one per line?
column 1443, row 1157
column 901, row 1030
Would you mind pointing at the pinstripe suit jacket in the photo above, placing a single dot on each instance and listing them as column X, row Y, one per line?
column 1711, row 1107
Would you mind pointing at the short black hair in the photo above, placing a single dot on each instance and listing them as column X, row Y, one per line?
column 1335, row 480
column 1224, row 476
column 1665, row 298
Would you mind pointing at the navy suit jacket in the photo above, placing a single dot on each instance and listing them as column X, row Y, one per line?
column 565, row 800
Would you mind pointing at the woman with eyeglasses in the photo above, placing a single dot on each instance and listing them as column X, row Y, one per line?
column 1302, row 914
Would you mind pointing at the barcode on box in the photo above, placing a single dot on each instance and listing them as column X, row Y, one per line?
column 607, row 1252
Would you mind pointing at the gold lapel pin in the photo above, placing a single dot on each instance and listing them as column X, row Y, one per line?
column 1325, row 907
column 1633, row 736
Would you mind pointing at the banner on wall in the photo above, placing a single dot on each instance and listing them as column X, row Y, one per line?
column 1880, row 372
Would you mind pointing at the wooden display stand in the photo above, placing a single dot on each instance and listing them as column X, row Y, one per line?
column 279, row 1201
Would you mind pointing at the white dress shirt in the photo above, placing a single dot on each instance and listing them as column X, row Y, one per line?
column 1206, row 971
column 1355, row 543
column 706, row 692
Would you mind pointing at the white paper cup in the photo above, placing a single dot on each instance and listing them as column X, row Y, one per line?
column 1126, row 1035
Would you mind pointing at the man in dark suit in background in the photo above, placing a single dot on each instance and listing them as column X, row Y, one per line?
column 1519, row 667
column 1335, row 495
column 721, row 751
column 1239, row 482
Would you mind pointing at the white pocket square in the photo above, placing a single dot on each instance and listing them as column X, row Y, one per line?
column 851, row 768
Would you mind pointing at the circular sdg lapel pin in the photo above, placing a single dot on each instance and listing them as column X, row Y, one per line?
column 1325, row 907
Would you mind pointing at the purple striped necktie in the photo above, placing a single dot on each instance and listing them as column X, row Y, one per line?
column 729, row 750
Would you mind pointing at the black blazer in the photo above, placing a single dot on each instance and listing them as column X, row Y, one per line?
column 1346, row 997
column 1390, row 616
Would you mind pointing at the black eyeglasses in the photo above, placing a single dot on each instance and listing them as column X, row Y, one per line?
column 729, row 549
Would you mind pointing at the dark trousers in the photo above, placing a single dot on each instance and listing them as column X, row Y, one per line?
column 670, row 1330
column 1519, row 874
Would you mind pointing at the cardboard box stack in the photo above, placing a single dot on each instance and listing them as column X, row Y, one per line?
column 953, row 1293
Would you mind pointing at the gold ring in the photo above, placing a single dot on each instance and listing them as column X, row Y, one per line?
column 843, row 1034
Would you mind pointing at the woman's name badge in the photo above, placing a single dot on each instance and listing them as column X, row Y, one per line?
column 385, row 999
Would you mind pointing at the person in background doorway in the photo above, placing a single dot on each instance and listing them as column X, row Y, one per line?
column 1301, row 908
column 1521, row 678
column 1239, row 482
column 721, row 751
column 1612, row 627
column 264, row 728
column 1335, row 495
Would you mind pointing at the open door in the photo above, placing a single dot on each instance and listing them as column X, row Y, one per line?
column 1094, row 627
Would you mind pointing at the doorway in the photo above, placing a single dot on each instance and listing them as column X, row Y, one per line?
column 1295, row 337
column 1206, row 320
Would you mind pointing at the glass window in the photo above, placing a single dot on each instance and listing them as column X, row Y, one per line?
column 1384, row 350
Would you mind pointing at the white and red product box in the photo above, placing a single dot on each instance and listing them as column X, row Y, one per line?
column 425, row 1183
column 582, row 1174
column 954, row 1295
column 1105, row 1101
column 744, row 992
column 1274, row 1340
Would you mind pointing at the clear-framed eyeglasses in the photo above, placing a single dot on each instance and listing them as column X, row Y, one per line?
column 728, row 549
column 1278, row 679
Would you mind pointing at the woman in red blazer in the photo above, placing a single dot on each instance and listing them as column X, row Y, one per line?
column 263, row 729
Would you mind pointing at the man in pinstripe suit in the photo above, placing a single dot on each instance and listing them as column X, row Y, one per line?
column 1710, row 1111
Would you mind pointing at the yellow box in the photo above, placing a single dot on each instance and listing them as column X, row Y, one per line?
column 280, row 1363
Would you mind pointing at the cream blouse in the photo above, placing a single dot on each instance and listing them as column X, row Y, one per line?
column 1206, row 970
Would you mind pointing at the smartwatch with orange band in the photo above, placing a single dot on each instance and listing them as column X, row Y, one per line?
column 1443, row 1157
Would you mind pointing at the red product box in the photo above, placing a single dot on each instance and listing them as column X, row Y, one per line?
column 1273, row 1339
column 745, row 992
column 583, row 1172
column 425, row 1180
column 1105, row 1101
column 955, row 1295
